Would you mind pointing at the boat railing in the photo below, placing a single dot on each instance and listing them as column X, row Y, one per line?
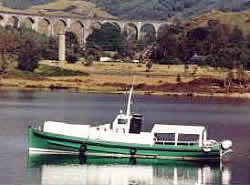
column 169, row 142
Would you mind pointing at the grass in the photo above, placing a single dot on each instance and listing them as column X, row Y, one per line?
column 129, row 69
column 48, row 71
column 21, row 74
column 103, row 77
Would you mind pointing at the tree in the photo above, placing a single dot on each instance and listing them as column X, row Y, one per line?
column 237, row 37
column 92, row 54
column 242, row 77
column 51, row 51
column 148, row 37
column 32, row 47
column 25, row 46
column 248, row 40
column 48, row 46
column 130, row 49
column 149, row 65
column 167, row 46
column 199, row 34
column 178, row 78
column 72, row 46
column 109, row 38
column 229, row 79
column 186, row 67
column 29, row 55
column 8, row 44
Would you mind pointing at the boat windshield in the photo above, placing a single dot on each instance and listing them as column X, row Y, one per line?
column 122, row 121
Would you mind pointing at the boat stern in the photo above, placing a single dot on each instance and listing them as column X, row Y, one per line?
column 226, row 149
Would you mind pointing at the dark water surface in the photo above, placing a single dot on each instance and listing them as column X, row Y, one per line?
column 18, row 109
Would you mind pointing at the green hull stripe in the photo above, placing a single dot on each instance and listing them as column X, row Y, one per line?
column 58, row 143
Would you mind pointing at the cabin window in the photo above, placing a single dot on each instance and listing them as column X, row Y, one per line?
column 135, row 126
column 164, row 138
column 122, row 121
column 188, row 139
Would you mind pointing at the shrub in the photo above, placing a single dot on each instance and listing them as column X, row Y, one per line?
column 71, row 58
column 28, row 59
column 88, row 63
column 178, row 78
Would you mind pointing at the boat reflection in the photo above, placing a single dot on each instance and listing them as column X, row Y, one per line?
column 66, row 169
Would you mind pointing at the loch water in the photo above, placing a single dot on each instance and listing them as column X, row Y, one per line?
column 224, row 119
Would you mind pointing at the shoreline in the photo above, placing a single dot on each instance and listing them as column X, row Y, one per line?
column 97, row 79
column 137, row 92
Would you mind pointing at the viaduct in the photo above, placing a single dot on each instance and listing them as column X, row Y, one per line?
column 82, row 26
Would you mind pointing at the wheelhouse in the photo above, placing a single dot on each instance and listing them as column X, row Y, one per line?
column 135, row 124
column 127, row 123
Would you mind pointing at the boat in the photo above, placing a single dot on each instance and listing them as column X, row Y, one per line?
column 124, row 137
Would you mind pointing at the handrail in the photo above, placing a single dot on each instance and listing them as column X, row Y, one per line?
column 173, row 142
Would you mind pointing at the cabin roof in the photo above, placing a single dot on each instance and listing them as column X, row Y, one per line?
column 180, row 129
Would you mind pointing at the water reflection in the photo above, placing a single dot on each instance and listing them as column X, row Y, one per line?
column 16, row 96
column 62, row 169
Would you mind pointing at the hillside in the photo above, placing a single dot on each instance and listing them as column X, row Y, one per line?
column 240, row 19
column 55, row 7
column 128, row 9
column 163, row 9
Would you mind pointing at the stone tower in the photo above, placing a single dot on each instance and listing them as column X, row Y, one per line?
column 61, row 47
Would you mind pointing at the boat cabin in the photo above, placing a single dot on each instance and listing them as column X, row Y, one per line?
column 179, row 134
column 127, row 123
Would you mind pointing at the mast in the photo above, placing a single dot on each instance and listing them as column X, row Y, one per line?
column 129, row 99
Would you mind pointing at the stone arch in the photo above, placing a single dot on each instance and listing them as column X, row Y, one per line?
column 91, row 28
column 28, row 22
column 78, row 29
column 161, row 30
column 44, row 26
column 13, row 21
column 95, row 25
column 117, row 26
column 108, row 37
column 131, row 31
column 148, row 32
column 59, row 26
